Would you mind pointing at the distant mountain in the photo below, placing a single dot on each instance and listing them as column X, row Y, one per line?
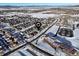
column 24, row 5
column 8, row 6
column 11, row 6
column 76, row 6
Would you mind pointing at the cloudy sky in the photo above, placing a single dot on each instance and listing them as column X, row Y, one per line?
column 39, row 1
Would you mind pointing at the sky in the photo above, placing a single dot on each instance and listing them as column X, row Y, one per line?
column 39, row 1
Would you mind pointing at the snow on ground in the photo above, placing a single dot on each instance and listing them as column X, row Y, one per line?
column 44, row 11
column 37, row 15
column 76, row 15
column 53, row 29
column 15, row 54
column 74, row 40
column 21, row 52
column 40, row 15
column 76, row 33
column 46, row 47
